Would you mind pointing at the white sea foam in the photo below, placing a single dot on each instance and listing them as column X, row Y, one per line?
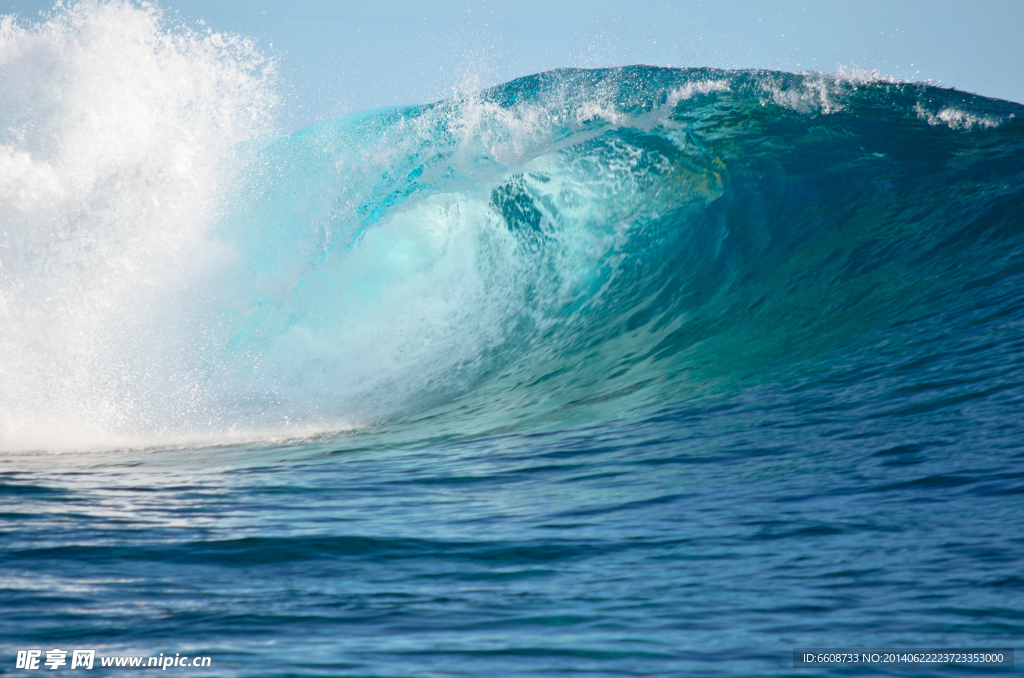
column 691, row 89
column 818, row 92
column 116, row 131
column 956, row 118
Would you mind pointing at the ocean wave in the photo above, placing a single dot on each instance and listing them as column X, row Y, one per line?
column 577, row 244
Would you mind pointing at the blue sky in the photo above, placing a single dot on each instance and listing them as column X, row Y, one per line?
column 339, row 57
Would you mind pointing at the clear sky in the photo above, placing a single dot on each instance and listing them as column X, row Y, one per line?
column 338, row 57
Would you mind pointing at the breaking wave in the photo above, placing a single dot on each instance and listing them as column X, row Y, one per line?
column 574, row 245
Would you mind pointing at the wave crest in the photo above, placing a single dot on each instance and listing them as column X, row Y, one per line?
column 574, row 244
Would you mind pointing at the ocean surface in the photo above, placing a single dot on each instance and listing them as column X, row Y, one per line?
column 626, row 372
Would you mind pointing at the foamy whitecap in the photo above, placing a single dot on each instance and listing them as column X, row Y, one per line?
column 817, row 92
column 956, row 118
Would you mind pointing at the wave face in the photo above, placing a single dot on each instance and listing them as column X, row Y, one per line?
column 571, row 246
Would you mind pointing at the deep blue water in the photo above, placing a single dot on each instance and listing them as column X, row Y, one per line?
column 636, row 372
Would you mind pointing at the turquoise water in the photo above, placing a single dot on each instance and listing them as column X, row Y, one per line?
column 599, row 373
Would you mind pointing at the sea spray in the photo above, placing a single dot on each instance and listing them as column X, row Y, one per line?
column 116, row 138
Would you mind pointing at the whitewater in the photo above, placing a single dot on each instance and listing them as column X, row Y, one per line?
column 631, row 371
